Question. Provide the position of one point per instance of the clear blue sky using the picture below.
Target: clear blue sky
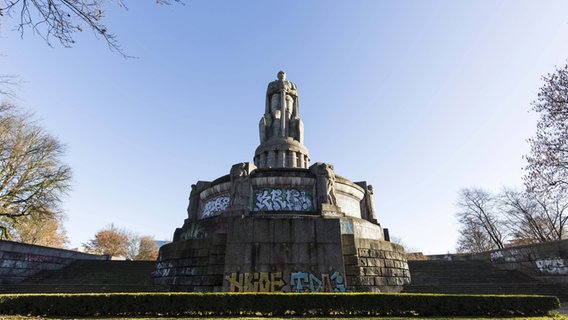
(418, 98)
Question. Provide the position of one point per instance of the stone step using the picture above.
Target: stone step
(76, 288)
(556, 290)
(91, 276)
(475, 277)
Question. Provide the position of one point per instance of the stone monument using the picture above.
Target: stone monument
(281, 225)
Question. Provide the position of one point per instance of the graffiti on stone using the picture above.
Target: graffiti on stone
(163, 269)
(496, 256)
(215, 206)
(308, 282)
(194, 231)
(552, 266)
(40, 258)
(274, 282)
(283, 199)
(508, 255)
(167, 269)
(255, 282)
(346, 227)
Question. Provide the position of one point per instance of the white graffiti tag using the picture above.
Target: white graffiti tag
(215, 206)
(283, 200)
(552, 266)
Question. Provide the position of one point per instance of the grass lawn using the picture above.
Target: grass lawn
(552, 317)
(558, 314)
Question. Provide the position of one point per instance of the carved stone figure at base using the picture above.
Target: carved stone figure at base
(241, 188)
(370, 202)
(325, 180)
(193, 207)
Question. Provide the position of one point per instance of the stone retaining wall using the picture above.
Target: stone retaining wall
(19, 261)
(546, 262)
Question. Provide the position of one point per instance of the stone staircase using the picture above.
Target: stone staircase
(91, 276)
(476, 277)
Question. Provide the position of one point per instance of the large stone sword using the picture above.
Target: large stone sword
(283, 110)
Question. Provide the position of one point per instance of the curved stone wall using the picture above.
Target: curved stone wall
(282, 153)
(214, 200)
(349, 196)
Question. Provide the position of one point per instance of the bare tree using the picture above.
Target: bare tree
(482, 228)
(7, 85)
(548, 158)
(473, 238)
(533, 218)
(60, 19)
(489, 222)
(33, 178)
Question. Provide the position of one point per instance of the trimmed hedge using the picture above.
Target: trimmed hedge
(275, 304)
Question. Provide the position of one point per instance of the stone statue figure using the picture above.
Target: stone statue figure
(325, 180)
(193, 203)
(367, 203)
(241, 188)
(193, 207)
(282, 112)
(370, 202)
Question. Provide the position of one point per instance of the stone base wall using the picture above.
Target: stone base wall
(279, 252)
(19, 261)
(374, 265)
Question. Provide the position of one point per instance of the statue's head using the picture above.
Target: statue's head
(281, 75)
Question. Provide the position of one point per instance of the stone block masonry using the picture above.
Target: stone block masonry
(374, 265)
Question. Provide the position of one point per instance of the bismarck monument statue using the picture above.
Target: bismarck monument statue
(281, 225)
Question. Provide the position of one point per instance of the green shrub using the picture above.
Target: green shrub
(245, 304)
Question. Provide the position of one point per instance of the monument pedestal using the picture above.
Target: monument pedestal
(281, 225)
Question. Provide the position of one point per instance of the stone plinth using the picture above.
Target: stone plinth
(282, 153)
(281, 253)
